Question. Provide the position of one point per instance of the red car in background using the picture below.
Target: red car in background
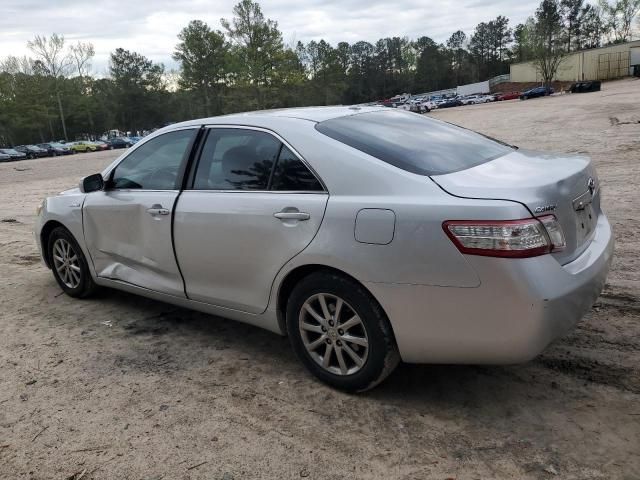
(508, 96)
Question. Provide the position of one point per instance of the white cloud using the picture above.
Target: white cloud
(150, 26)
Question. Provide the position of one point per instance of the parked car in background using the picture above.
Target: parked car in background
(100, 145)
(422, 105)
(119, 142)
(32, 151)
(507, 96)
(54, 149)
(476, 252)
(588, 86)
(536, 92)
(473, 99)
(13, 153)
(451, 102)
(4, 157)
(397, 100)
(83, 146)
(134, 139)
(400, 98)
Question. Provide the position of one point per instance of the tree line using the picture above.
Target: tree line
(246, 65)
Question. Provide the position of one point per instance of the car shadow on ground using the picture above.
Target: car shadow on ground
(187, 336)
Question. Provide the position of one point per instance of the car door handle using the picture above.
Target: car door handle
(292, 216)
(157, 210)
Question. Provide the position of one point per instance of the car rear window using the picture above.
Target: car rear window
(413, 142)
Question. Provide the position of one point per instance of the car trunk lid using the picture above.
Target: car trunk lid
(563, 185)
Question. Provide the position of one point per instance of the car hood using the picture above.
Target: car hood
(71, 191)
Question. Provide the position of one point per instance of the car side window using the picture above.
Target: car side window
(291, 174)
(236, 159)
(154, 165)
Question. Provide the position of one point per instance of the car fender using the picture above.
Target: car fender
(65, 209)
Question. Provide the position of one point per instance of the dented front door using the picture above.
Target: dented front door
(128, 234)
(127, 227)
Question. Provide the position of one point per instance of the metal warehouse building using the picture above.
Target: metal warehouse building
(603, 63)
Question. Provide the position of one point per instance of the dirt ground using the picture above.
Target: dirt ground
(119, 387)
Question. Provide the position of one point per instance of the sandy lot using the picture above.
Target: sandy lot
(120, 387)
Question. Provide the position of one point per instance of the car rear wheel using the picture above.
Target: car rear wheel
(340, 333)
(69, 265)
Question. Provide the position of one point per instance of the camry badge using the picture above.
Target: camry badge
(545, 208)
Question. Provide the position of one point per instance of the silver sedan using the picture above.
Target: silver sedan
(367, 235)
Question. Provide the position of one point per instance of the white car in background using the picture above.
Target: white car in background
(417, 105)
(426, 105)
(474, 99)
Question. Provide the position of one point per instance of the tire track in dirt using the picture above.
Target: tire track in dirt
(601, 350)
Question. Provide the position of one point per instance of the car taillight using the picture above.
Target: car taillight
(528, 237)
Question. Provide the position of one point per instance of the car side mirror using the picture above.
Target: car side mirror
(92, 183)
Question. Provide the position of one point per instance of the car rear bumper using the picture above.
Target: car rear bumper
(520, 306)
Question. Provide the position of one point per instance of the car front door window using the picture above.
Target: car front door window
(155, 165)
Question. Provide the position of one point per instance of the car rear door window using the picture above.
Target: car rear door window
(291, 174)
(155, 165)
(413, 142)
(236, 159)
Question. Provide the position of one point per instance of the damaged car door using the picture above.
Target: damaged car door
(128, 225)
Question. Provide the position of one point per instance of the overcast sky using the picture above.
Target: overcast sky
(150, 26)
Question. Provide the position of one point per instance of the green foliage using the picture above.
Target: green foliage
(138, 89)
(617, 18)
(257, 52)
(547, 39)
(204, 56)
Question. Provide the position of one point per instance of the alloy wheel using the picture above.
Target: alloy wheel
(67, 263)
(333, 334)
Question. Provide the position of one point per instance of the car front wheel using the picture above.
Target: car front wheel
(340, 332)
(69, 265)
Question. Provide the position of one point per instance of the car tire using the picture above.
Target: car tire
(69, 265)
(360, 355)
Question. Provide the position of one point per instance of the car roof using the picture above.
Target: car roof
(312, 114)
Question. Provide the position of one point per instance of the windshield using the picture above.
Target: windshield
(413, 142)
(9, 151)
